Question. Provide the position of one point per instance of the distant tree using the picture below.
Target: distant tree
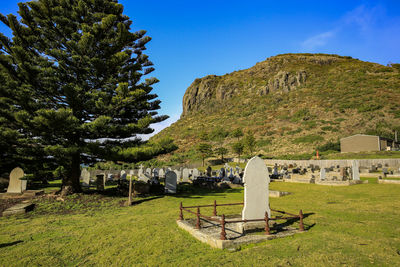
(238, 148)
(77, 74)
(218, 134)
(237, 133)
(204, 150)
(221, 151)
(249, 142)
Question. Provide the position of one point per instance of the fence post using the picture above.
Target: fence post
(215, 208)
(266, 218)
(223, 233)
(181, 212)
(301, 221)
(198, 218)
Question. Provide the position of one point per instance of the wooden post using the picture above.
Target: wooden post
(223, 233)
(180, 212)
(198, 218)
(266, 218)
(301, 221)
(130, 192)
(215, 208)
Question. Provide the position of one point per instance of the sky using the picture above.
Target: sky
(192, 38)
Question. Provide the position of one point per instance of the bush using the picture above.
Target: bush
(330, 146)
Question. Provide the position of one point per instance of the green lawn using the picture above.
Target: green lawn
(351, 226)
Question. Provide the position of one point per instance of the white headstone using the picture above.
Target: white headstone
(170, 182)
(185, 175)
(161, 173)
(123, 175)
(195, 173)
(16, 185)
(85, 175)
(356, 170)
(178, 176)
(322, 174)
(256, 190)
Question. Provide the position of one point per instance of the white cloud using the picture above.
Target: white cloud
(317, 40)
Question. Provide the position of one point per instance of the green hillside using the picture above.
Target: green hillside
(291, 103)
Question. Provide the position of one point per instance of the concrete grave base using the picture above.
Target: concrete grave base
(383, 181)
(273, 193)
(300, 180)
(20, 208)
(340, 183)
(210, 233)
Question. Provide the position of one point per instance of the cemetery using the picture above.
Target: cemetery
(294, 161)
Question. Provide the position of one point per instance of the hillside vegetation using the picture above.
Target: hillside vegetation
(291, 103)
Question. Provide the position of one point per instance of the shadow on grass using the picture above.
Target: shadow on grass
(190, 191)
(3, 245)
(140, 201)
(294, 220)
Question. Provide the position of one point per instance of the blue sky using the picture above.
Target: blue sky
(192, 39)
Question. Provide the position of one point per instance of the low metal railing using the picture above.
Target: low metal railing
(223, 221)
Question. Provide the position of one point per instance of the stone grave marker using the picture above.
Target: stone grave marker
(161, 173)
(148, 172)
(185, 175)
(256, 190)
(178, 176)
(85, 175)
(170, 182)
(355, 170)
(195, 173)
(123, 175)
(100, 178)
(322, 174)
(16, 185)
(156, 172)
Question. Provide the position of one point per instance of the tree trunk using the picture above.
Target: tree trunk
(71, 183)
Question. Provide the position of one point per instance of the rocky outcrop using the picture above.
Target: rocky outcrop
(284, 82)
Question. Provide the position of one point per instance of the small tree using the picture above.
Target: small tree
(250, 142)
(221, 151)
(237, 133)
(204, 150)
(238, 148)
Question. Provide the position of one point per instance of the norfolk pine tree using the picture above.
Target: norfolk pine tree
(80, 77)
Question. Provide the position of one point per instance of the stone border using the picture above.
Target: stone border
(207, 238)
(388, 181)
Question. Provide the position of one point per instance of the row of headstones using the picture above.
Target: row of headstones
(354, 171)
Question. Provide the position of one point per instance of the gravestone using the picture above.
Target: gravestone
(195, 173)
(170, 182)
(85, 175)
(156, 172)
(185, 175)
(123, 175)
(256, 190)
(161, 173)
(148, 172)
(322, 174)
(355, 170)
(140, 172)
(100, 178)
(178, 176)
(16, 185)
(209, 171)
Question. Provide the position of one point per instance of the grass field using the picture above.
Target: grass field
(350, 226)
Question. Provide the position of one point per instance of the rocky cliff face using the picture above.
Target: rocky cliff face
(292, 103)
(264, 78)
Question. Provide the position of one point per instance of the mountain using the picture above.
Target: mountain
(291, 103)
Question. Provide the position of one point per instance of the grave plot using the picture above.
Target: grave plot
(257, 222)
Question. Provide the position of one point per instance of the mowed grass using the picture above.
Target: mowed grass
(351, 226)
